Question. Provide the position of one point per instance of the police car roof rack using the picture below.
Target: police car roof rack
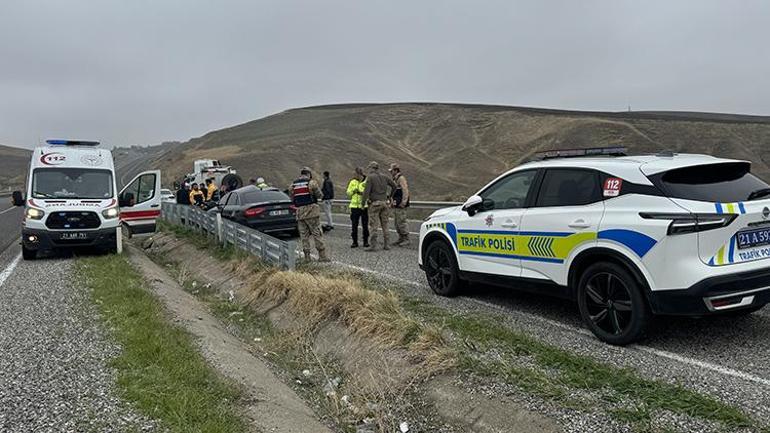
(58, 142)
(577, 153)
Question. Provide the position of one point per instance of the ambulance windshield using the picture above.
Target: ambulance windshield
(71, 183)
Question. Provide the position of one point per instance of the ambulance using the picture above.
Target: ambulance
(71, 200)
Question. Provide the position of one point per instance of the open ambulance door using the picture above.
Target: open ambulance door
(140, 202)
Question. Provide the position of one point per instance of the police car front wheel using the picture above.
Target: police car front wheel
(612, 304)
(441, 269)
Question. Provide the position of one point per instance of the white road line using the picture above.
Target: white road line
(8, 210)
(9, 270)
(390, 230)
(586, 333)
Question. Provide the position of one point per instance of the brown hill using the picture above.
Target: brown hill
(14, 163)
(448, 150)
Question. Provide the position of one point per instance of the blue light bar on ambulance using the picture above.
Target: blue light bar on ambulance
(72, 143)
(591, 151)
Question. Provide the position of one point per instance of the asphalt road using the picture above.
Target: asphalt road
(725, 357)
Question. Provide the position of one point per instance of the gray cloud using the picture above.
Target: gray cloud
(140, 72)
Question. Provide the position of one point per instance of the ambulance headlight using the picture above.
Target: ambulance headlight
(110, 213)
(34, 213)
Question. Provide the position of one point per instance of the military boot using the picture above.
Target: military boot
(323, 256)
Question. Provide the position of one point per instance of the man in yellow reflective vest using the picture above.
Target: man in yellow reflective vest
(358, 209)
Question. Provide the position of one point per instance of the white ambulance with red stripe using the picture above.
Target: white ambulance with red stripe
(72, 201)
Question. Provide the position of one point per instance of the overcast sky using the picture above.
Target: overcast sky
(146, 71)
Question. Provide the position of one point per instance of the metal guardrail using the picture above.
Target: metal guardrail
(431, 205)
(269, 249)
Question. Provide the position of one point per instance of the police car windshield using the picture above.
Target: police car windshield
(71, 183)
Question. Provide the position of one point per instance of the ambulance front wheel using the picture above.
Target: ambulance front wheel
(28, 254)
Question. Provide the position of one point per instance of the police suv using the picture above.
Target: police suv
(627, 237)
(71, 199)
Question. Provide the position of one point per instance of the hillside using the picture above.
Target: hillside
(449, 150)
(14, 163)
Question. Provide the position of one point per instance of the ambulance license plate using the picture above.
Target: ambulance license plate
(68, 236)
(753, 238)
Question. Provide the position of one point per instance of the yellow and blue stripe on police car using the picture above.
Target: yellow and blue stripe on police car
(728, 208)
(549, 247)
(726, 254)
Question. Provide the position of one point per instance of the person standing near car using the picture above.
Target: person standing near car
(400, 204)
(183, 194)
(196, 195)
(305, 193)
(377, 193)
(358, 209)
(327, 188)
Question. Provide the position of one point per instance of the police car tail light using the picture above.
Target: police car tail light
(682, 223)
(110, 213)
(34, 213)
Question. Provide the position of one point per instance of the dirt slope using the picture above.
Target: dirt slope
(14, 163)
(449, 150)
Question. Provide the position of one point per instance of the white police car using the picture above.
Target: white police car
(628, 237)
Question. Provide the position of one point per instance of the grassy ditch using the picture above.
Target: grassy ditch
(465, 345)
(159, 368)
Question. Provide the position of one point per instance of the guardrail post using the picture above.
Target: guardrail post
(220, 232)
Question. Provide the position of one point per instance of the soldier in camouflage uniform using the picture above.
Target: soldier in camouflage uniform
(400, 202)
(305, 195)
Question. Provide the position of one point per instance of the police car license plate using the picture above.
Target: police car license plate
(279, 212)
(753, 238)
(73, 235)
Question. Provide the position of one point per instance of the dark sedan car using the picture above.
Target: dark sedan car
(267, 210)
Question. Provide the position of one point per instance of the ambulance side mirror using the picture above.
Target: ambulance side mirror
(473, 204)
(17, 199)
(126, 199)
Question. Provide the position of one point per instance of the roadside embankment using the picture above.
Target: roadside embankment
(368, 357)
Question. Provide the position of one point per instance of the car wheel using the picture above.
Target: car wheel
(441, 269)
(612, 304)
(28, 254)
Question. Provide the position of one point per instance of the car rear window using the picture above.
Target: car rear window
(263, 196)
(723, 183)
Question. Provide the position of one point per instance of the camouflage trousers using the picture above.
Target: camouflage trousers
(402, 228)
(311, 228)
(378, 218)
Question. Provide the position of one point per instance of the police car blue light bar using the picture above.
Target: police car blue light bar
(591, 151)
(59, 142)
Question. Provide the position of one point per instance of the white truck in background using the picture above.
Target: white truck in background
(204, 169)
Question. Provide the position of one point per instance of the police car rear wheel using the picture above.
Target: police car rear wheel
(612, 304)
(441, 269)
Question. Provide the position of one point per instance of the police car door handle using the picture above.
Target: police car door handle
(579, 224)
(509, 224)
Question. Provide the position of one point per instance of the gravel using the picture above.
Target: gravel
(54, 355)
(735, 343)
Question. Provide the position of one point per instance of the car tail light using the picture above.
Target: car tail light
(293, 208)
(682, 223)
(254, 211)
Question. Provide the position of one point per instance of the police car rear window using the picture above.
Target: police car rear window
(568, 187)
(726, 182)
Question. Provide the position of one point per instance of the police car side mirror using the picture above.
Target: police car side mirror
(473, 204)
(17, 199)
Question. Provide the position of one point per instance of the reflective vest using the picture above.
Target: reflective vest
(301, 195)
(355, 193)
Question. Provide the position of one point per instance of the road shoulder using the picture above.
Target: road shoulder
(273, 406)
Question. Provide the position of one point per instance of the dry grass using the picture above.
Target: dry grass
(376, 316)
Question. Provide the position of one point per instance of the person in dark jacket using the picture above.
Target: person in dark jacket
(328, 195)
(183, 194)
